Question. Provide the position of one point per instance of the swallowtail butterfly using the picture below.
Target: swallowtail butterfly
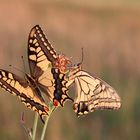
(48, 66)
(92, 93)
(42, 58)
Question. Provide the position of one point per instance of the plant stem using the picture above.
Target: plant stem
(44, 128)
(35, 126)
(46, 123)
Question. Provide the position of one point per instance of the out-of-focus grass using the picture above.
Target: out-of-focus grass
(110, 35)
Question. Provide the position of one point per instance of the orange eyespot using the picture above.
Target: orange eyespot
(75, 106)
(46, 109)
(55, 103)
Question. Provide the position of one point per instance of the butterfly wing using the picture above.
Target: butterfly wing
(56, 86)
(51, 79)
(19, 87)
(60, 89)
(40, 52)
(93, 94)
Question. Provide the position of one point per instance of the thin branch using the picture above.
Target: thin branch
(52, 108)
(35, 126)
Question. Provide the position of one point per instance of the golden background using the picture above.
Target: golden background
(109, 32)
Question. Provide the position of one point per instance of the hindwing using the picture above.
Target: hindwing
(93, 94)
(60, 90)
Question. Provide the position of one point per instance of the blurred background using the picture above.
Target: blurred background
(109, 32)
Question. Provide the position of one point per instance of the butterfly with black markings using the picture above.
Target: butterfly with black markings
(41, 56)
(92, 93)
(49, 66)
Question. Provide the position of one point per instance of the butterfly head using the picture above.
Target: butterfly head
(75, 68)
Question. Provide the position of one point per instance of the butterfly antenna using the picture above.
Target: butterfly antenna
(24, 72)
(82, 57)
(16, 69)
(23, 63)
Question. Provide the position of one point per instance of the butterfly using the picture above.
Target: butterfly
(92, 92)
(29, 89)
(48, 66)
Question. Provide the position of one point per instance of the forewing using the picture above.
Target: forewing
(19, 87)
(40, 52)
(93, 94)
